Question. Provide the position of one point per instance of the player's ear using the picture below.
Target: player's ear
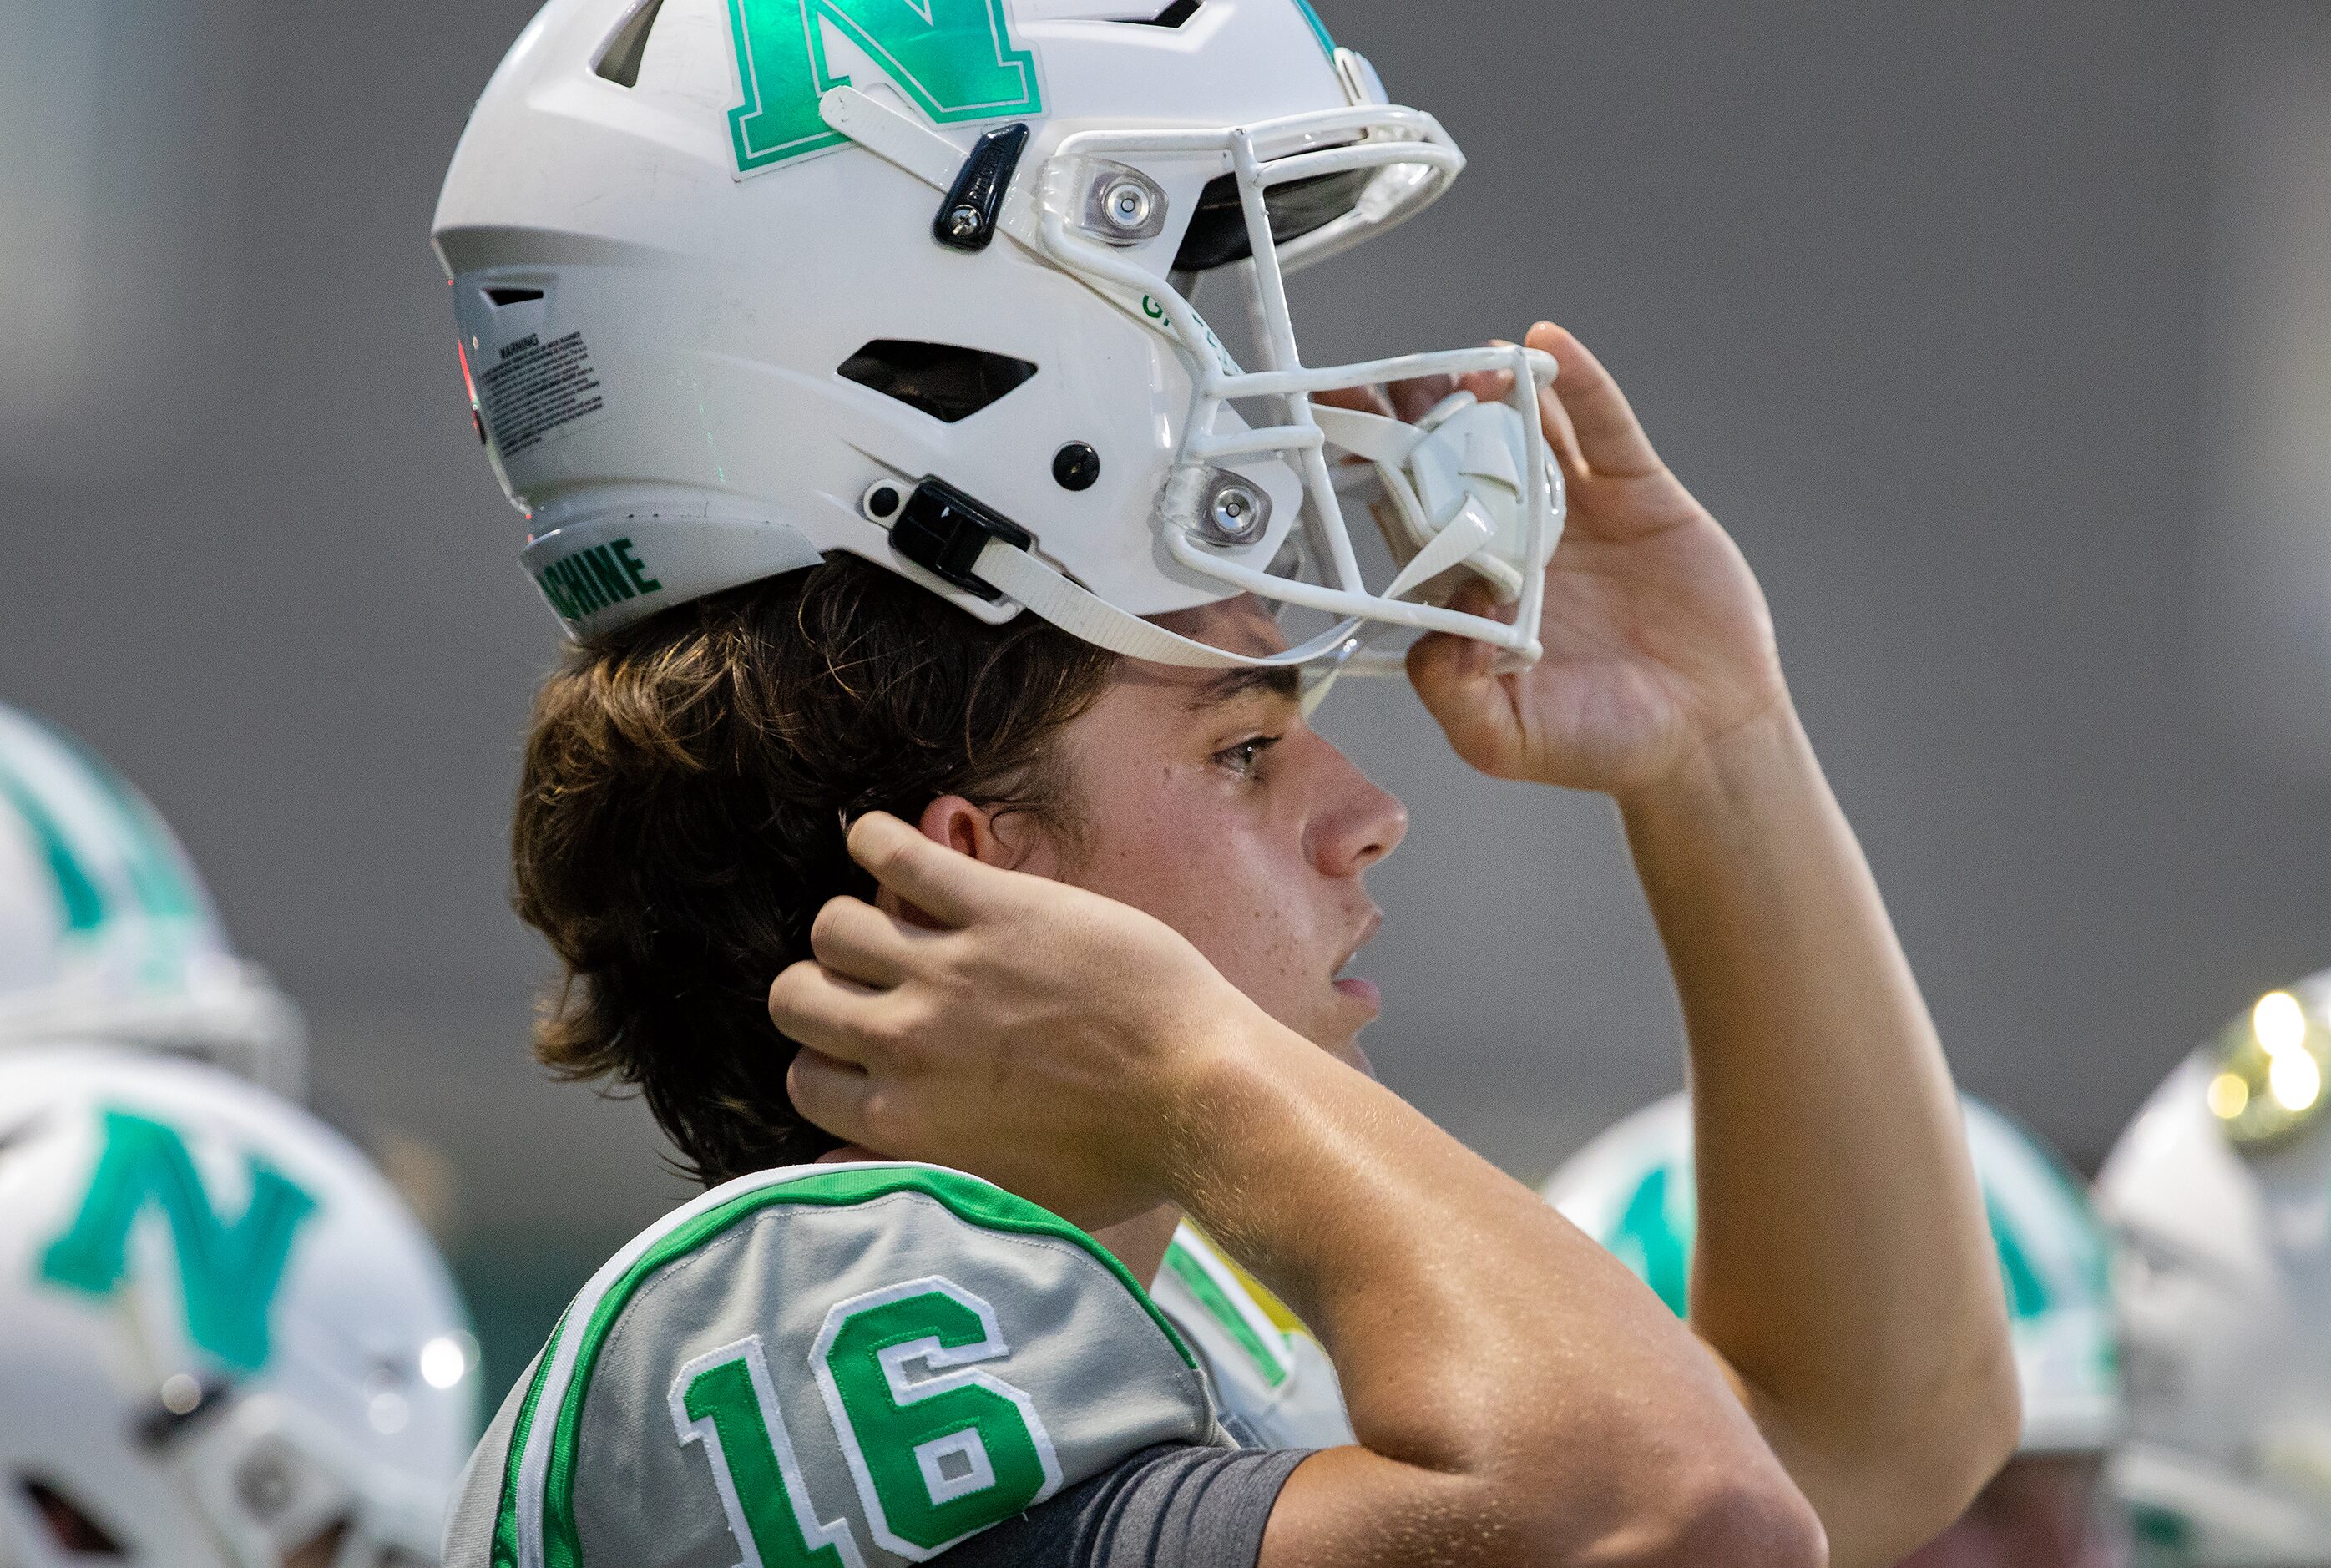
(967, 830)
(962, 827)
(1013, 842)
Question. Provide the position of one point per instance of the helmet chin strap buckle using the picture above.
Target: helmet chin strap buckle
(947, 534)
(943, 531)
(966, 218)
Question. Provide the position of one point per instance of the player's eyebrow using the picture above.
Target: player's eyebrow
(1279, 680)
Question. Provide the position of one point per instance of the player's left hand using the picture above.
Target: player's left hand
(1658, 641)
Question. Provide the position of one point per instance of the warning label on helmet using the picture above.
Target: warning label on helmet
(536, 390)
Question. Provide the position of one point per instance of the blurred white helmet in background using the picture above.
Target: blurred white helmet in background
(2221, 1190)
(1631, 1189)
(740, 282)
(222, 1338)
(105, 932)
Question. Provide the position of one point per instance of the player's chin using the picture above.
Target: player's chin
(1333, 1017)
(1352, 1005)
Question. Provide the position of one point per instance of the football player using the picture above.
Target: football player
(2218, 1189)
(224, 1342)
(1631, 1189)
(919, 538)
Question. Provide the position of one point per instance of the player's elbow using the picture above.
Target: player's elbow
(1743, 1520)
(1741, 1510)
(1912, 1472)
(1947, 1451)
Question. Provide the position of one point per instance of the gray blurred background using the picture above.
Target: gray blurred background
(1999, 333)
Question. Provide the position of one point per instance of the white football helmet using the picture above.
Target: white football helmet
(2221, 1190)
(1631, 1189)
(222, 1337)
(740, 282)
(105, 932)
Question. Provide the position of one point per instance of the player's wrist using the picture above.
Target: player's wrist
(1230, 1092)
(1728, 777)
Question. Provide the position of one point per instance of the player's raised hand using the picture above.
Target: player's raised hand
(1657, 638)
(1026, 1030)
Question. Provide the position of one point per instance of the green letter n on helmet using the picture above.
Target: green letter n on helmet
(106, 934)
(1631, 1189)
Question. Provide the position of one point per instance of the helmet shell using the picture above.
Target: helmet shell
(693, 316)
(2225, 1289)
(106, 930)
(223, 1328)
(1631, 1189)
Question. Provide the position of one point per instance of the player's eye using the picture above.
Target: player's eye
(1242, 758)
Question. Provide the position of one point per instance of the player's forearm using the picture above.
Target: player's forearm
(1479, 1337)
(1843, 1268)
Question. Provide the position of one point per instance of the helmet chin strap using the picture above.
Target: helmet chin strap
(914, 146)
(1084, 614)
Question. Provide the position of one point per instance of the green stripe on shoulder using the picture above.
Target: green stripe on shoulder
(968, 1198)
(504, 1552)
(1219, 1307)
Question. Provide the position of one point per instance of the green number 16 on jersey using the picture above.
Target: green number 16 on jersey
(935, 1457)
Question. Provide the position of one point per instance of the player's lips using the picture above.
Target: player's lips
(1362, 991)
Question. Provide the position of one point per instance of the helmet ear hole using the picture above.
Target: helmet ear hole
(69, 1525)
(322, 1549)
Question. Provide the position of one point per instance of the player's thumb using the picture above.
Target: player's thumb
(1454, 678)
(1451, 673)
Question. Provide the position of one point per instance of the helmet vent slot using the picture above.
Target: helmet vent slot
(505, 296)
(1174, 15)
(947, 381)
(619, 63)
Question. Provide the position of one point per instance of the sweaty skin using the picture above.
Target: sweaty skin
(1518, 1397)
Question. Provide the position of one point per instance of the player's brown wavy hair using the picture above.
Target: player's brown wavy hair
(680, 816)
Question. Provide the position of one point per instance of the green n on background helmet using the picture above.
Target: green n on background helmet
(1631, 1189)
(106, 931)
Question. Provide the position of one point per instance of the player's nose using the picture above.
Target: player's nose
(1359, 822)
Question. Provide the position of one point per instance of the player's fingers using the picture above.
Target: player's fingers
(1554, 420)
(851, 938)
(1414, 398)
(1488, 386)
(1359, 399)
(1607, 435)
(828, 1012)
(832, 1094)
(942, 883)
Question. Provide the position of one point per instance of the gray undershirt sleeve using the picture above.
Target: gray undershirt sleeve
(1169, 1507)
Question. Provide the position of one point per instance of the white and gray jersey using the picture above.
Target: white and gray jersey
(857, 1366)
